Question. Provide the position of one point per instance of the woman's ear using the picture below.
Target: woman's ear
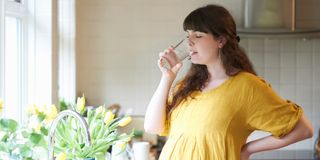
(222, 41)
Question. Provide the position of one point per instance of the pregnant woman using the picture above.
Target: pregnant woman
(209, 114)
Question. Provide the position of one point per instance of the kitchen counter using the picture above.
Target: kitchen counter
(285, 154)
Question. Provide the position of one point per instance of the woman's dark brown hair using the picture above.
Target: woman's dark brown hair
(215, 20)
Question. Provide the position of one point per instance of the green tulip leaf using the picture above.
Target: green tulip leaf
(3, 147)
(8, 125)
(25, 134)
(82, 145)
(26, 151)
(63, 105)
(41, 116)
(44, 131)
(4, 136)
(35, 138)
(99, 156)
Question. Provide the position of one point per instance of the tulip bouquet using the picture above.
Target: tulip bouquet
(26, 141)
(102, 125)
(30, 141)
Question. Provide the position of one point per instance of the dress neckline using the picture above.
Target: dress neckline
(224, 83)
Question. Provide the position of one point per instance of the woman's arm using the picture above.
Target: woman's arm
(154, 121)
(301, 131)
(155, 116)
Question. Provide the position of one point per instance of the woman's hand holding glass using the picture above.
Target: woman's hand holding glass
(170, 60)
(169, 63)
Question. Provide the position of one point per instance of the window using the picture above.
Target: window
(12, 57)
(26, 56)
(12, 66)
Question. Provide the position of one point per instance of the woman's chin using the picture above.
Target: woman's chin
(195, 62)
(195, 59)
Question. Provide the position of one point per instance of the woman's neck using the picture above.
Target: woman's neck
(217, 71)
(217, 75)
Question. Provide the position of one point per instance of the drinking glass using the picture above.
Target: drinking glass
(182, 52)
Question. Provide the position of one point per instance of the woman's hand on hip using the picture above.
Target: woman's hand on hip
(245, 154)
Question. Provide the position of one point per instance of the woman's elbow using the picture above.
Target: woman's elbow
(308, 132)
(307, 128)
(148, 129)
(151, 129)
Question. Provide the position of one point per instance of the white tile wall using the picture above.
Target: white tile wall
(117, 46)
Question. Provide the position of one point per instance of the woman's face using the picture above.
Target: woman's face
(203, 47)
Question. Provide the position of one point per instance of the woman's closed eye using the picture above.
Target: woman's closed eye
(194, 36)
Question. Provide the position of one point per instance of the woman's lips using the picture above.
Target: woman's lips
(193, 53)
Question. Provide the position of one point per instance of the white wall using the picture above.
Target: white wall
(117, 47)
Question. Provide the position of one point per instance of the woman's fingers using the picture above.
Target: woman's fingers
(161, 63)
(168, 62)
(166, 52)
(175, 69)
(170, 57)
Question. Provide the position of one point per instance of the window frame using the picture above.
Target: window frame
(41, 47)
(1, 48)
(16, 10)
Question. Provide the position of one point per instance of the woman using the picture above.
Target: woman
(220, 101)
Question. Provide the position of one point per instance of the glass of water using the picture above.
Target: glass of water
(182, 52)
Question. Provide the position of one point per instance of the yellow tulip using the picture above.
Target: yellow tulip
(100, 110)
(126, 139)
(124, 121)
(41, 109)
(51, 113)
(121, 145)
(61, 156)
(108, 117)
(37, 128)
(1, 105)
(33, 109)
(34, 123)
(81, 103)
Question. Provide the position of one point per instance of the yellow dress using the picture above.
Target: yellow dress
(215, 124)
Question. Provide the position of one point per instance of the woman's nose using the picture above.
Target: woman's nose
(190, 42)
